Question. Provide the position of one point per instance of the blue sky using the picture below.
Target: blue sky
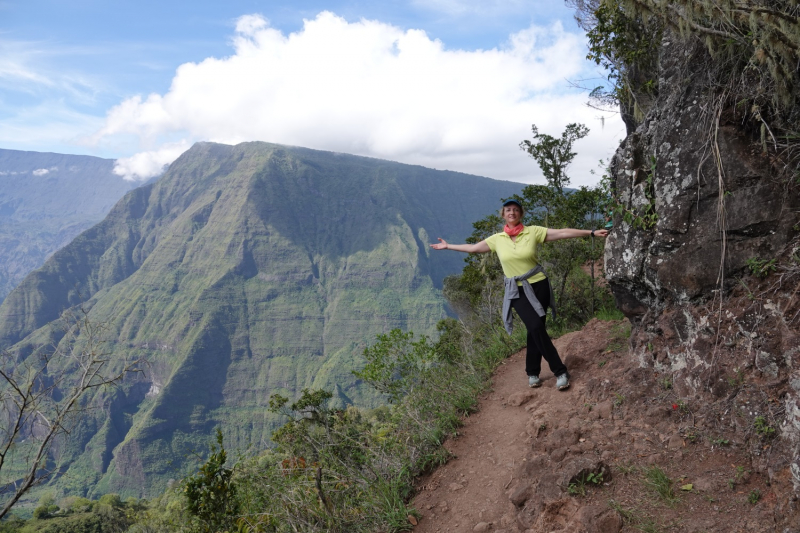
(447, 83)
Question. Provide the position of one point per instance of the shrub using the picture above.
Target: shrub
(210, 494)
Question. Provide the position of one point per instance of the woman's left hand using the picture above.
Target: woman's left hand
(601, 233)
(441, 245)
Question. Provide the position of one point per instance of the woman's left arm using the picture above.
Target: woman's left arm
(570, 233)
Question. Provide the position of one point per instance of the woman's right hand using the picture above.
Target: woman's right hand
(441, 245)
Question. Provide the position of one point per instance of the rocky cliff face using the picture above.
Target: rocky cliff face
(727, 339)
(244, 271)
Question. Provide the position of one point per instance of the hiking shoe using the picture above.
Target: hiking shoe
(534, 381)
(562, 382)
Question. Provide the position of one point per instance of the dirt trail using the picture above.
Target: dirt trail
(471, 488)
(580, 461)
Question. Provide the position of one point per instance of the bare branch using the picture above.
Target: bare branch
(29, 402)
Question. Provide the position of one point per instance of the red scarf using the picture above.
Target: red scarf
(516, 230)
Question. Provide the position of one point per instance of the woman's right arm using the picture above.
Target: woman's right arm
(478, 248)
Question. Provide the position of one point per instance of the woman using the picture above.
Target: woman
(516, 247)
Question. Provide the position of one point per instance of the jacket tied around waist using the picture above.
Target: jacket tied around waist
(512, 291)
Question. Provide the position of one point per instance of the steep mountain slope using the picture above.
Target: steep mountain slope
(244, 271)
(45, 201)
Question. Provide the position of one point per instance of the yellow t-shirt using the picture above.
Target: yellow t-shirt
(518, 257)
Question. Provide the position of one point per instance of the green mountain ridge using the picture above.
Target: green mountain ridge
(46, 200)
(244, 271)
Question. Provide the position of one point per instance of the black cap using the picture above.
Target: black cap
(512, 201)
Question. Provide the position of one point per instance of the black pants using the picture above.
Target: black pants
(539, 343)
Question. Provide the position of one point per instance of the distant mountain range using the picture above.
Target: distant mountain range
(244, 271)
(46, 200)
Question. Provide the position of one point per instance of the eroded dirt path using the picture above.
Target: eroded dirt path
(521, 462)
(471, 488)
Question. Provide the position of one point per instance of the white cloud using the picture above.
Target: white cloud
(250, 24)
(148, 164)
(40, 172)
(372, 89)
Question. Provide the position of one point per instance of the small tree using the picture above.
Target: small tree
(396, 363)
(552, 206)
(41, 394)
(211, 493)
(554, 155)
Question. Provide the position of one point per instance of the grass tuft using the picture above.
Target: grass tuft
(660, 484)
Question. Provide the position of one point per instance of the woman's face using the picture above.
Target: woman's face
(512, 214)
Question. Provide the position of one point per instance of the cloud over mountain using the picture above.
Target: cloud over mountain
(369, 88)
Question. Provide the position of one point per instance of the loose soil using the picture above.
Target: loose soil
(591, 459)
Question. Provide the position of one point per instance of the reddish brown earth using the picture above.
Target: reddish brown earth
(528, 460)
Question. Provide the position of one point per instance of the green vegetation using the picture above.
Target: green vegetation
(619, 399)
(554, 155)
(683, 407)
(109, 514)
(396, 364)
(738, 476)
(719, 441)
(211, 494)
(740, 473)
(609, 313)
(621, 42)
(627, 468)
(347, 469)
(737, 380)
(763, 427)
(660, 484)
(619, 334)
(761, 268)
(754, 497)
(578, 487)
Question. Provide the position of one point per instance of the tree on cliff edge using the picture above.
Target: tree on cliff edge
(551, 206)
(42, 396)
(479, 287)
(554, 155)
